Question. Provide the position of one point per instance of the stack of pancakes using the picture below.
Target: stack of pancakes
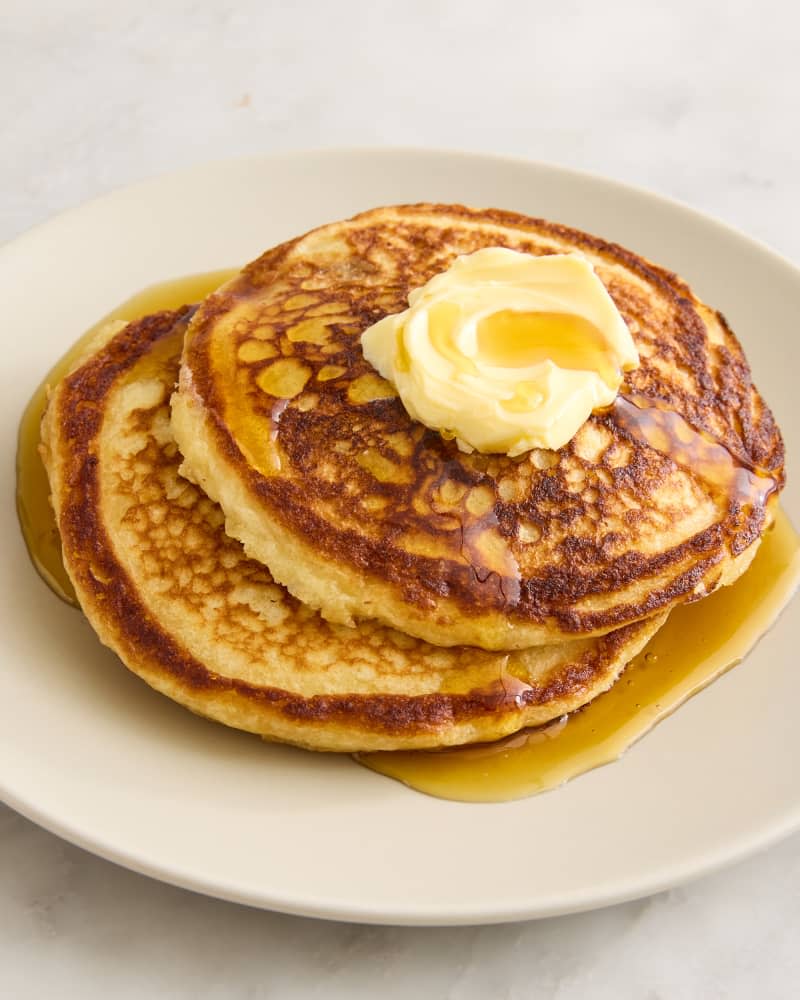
(277, 545)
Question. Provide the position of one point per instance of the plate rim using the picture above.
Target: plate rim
(412, 915)
(580, 173)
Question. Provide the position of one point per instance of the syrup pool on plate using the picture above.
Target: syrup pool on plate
(699, 642)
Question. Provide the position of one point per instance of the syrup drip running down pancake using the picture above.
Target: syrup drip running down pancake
(365, 514)
(178, 600)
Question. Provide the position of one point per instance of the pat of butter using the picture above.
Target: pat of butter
(505, 351)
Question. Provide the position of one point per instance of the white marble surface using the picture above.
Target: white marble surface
(686, 100)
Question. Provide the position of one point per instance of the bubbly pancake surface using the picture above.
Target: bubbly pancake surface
(166, 588)
(363, 513)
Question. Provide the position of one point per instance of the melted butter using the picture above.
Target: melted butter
(505, 351)
(36, 517)
(444, 319)
(698, 643)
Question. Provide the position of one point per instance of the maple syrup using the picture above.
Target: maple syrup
(699, 642)
(512, 339)
(36, 517)
(666, 431)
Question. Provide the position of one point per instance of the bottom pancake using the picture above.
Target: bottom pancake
(176, 598)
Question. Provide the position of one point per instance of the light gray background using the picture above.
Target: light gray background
(684, 99)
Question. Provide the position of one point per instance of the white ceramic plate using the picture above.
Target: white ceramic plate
(88, 751)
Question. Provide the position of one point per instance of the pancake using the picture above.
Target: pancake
(176, 598)
(364, 514)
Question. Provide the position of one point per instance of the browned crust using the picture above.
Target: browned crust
(748, 432)
(113, 604)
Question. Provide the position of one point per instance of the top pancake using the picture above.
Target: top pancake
(363, 513)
